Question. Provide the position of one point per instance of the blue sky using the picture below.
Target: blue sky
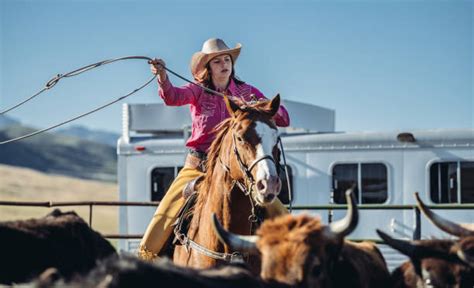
(381, 65)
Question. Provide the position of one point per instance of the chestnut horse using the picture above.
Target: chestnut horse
(240, 174)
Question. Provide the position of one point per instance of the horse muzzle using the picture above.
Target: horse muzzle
(267, 189)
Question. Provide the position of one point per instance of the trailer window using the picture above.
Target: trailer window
(370, 178)
(161, 179)
(284, 193)
(344, 176)
(374, 183)
(452, 182)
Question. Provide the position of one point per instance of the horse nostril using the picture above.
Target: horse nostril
(269, 197)
(261, 185)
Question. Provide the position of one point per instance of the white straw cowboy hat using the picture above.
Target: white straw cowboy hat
(210, 49)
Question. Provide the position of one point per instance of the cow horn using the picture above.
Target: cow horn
(238, 242)
(443, 224)
(347, 224)
(404, 246)
(417, 251)
(466, 257)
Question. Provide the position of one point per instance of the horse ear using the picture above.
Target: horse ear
(231, 106)
(274, 105)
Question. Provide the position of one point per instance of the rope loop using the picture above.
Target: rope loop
(53, 81)
(50, 84)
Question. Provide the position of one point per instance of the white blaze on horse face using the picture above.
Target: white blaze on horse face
(268, 140)
(267, 178)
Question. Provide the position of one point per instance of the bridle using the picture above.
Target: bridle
(247, 170)
(248, 185)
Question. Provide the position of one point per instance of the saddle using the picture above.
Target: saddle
(191, 186)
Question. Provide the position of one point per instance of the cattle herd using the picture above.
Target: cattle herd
(60, 250)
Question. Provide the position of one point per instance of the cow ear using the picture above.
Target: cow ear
(274, 105)
(231, 106)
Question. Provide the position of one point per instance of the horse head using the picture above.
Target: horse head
(253, 138)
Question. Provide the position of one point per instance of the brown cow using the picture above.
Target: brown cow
(300, 250)
(60, 240)
(435, 263)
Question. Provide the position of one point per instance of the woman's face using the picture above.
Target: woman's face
(221, 67)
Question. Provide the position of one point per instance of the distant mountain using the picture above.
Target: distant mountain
(6, 121)
(99, 136)
(58, 154)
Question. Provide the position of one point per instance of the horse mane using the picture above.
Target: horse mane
(204, 188)
(220, 132)
(214, 151)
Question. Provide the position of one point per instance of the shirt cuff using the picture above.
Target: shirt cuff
(165, 85)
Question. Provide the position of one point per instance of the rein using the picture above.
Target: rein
(234, 257)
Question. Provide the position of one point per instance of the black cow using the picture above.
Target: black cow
(129, 271)
(60, 240)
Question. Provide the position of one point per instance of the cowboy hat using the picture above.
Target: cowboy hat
(211, 48)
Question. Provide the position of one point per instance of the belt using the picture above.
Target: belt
(198, 154)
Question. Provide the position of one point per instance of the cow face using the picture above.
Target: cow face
(296, 250)
(440, 273)
(434, 263)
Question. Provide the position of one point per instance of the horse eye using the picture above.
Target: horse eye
(240, 139)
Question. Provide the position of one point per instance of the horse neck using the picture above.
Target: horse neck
(231, 206)
(228, 202)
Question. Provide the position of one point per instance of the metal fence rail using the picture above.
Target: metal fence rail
(91, 204)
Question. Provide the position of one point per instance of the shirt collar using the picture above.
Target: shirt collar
(232, 88)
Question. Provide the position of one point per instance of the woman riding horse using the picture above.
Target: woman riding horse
(212, 67)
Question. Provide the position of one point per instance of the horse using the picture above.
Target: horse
(241, 174)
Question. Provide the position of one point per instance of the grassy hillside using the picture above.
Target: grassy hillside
(58, 154)
(22, 184)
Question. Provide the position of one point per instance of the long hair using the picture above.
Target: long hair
(205, 78)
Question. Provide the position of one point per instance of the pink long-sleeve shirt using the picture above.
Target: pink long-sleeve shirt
(208, 110)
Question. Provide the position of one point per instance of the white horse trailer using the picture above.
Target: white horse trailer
(388, 167)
